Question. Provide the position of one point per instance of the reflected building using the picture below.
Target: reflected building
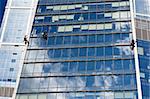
(17, 21)
(142, 27)
(78, 49)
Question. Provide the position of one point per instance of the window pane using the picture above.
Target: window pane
(90, 66)
(100, 38)
(82, 66)
(108, 51)
(83, 39)
(83, 51)
(74, 52)
(67, 40)
(91, 51)
(57, 53)
(100, 51)
(92, 39)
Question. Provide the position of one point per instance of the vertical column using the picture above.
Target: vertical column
(132, 2)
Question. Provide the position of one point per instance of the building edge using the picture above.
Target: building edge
(137, 68)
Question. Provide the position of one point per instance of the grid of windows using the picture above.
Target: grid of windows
(144, 54)
(78, 83)
(142, 29)
(13, 29)
(86, 50)
(79, 67)
(110, 38)
(113, 27)
(142, 32)
(82, 95)
(120, 15)
(8, 68)
(84, 6)
(79, 52)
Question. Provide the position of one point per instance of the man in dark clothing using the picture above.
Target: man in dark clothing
(26, 40)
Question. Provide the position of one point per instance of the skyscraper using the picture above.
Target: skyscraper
(77, 49)
(142, 29)
(17, 21)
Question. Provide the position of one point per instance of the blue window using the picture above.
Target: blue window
(118, 81)
(100, 6)
(43, 42)
(100, 38)
(73, 66)
(57, 53)
(83, 39)
(38, 20)
(47, 68)
(116, 38)
(90, 81)
(100, 81)
(92, 7)
(38, 29)
(43, 8)
(65, 52)
(65, 67)
(75, 39)
(127, 64)
(91, 51)
(51, 40)
(100, 16)
(145, 90)
(118, 65)
(107, 6)
(82, 66)
(92, 39)
(125, 27)
(45, 29)
(144, 63)
(100, 66)
(67, 39)
(117, 51)
(92, 16)
(74, 52)
(108, 51)
(53, 29)
(108, 65)
(90, 66)
(100, 51)
(125, 36)
(127, 81)
(77, 16)
(108, 38)
(59, 40)
(85, 16)
(82, 51)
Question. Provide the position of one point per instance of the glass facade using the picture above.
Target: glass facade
(75, 49)
(142, 21)
(15, 25)
(80, 49)
(144, 67)
(142, 7)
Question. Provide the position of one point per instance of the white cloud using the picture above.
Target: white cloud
(125, 50)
